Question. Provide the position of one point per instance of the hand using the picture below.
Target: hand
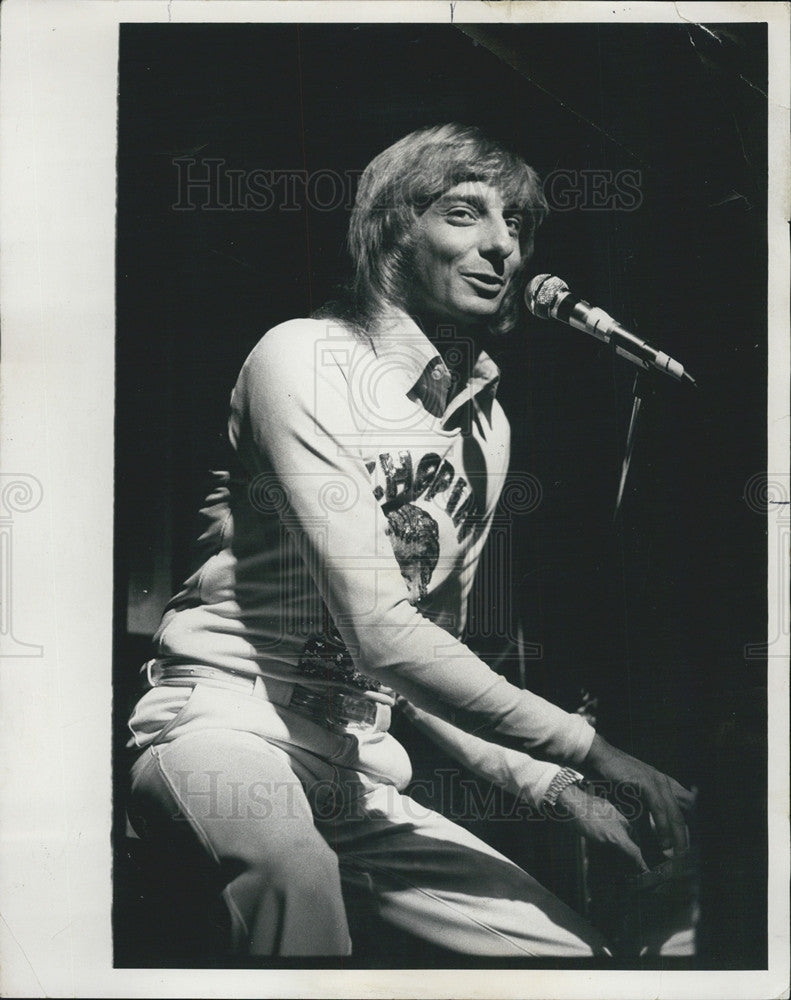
(597, 820)
(664, 797)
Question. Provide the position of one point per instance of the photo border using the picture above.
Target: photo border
(58, 122)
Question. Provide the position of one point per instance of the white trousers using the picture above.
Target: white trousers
(299, 842)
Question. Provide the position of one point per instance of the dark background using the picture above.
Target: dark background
(652, 614)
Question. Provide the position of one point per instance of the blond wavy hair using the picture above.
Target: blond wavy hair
(398, 185)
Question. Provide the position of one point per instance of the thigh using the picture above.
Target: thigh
(230, 801)
(234, 817)
(413, 868)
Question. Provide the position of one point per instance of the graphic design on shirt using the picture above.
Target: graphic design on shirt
(325, 657)
(415, 537)
(434, 480)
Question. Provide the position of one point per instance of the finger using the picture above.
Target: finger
(628, 846)
(643, 825)
(670, 826)
(621, 837)
(685, 798)
(680, 831)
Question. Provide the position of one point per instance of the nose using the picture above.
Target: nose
(497, 243)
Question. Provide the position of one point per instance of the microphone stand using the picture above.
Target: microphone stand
(637, 402)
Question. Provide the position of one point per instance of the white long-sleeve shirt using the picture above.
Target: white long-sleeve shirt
(345, 552)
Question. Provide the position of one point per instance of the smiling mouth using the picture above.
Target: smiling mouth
(488, 284)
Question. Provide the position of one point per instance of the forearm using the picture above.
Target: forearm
(463, 691)
(516, 772)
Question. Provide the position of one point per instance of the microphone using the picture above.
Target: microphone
(548, 297)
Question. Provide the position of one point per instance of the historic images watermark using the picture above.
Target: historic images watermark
(210, 795)
(210, 184)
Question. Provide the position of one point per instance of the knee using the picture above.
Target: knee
(288, 901)
(295, 861)
(304, 866)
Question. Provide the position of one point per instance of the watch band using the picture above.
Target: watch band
(566, 776)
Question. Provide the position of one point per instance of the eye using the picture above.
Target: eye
(514, 224)
(462, 214)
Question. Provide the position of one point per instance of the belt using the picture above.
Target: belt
(333, 708)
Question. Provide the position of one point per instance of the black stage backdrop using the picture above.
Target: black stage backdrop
(653, 142)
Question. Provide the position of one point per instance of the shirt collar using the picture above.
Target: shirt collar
(425, 375)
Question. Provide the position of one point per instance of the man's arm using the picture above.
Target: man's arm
(516, 772)
(532, 780)
(293, 419)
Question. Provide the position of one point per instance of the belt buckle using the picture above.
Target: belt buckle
(336, 710)
(352, 713)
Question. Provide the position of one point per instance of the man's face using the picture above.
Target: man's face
(466, 253)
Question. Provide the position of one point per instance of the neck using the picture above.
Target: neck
(457, 343)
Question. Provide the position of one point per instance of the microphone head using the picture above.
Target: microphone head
(542, 292)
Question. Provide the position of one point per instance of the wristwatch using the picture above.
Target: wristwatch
(566, 776)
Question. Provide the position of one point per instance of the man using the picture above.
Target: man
(331, 577)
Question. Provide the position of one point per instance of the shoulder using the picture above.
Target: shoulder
(292, 349)
(288, 344)
(300, 365)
